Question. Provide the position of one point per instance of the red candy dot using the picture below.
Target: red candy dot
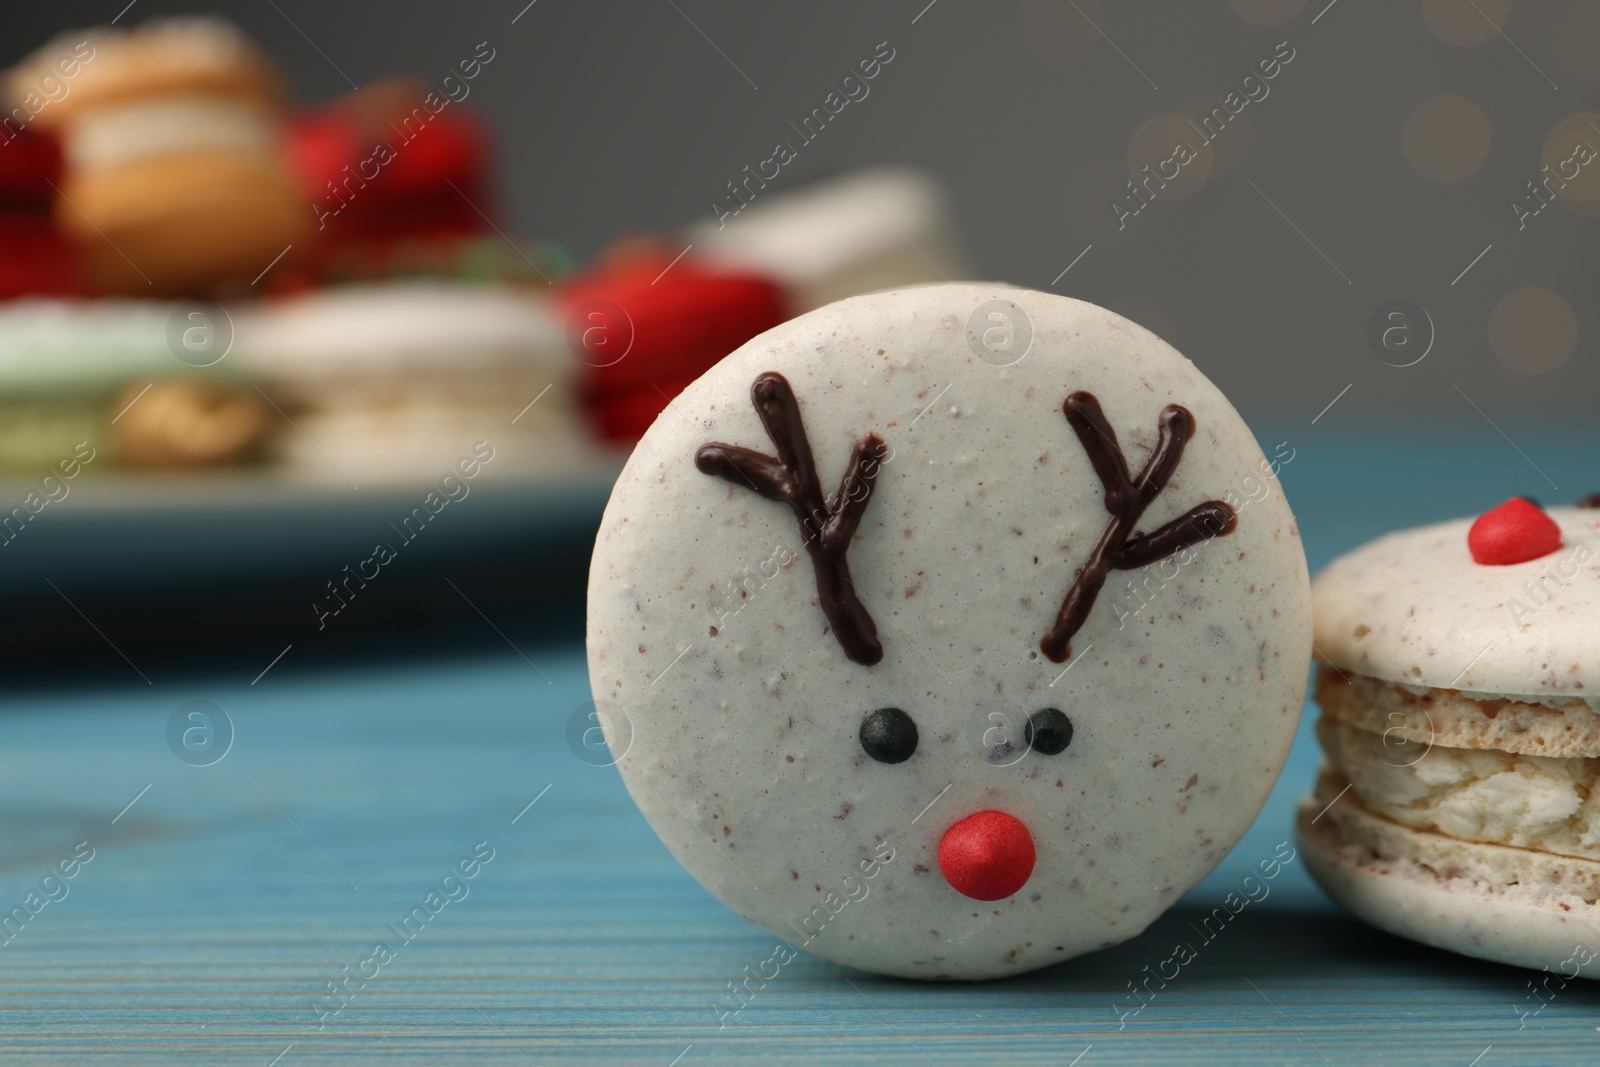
(987, 856)
(1514, 532)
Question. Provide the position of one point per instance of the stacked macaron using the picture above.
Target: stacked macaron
(881, 228)
(383, 383)
(644, 326)
(104, 372)
(35, 256)
(175, 181)
(159, 162)
(1460, 665)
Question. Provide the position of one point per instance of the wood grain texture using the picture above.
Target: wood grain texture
(207, 925)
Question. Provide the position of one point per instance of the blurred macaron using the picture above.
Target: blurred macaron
(35, 256)
(104, 373)
(872, 229)
(382, 164)
(174, 181)
(391, 383)
(641, 325)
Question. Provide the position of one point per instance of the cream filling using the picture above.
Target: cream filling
(1337, 820)
(151, 128)
(1503, 798)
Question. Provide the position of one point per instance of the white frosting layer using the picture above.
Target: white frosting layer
(1413, 607)
(1498, 798)
(151, 127)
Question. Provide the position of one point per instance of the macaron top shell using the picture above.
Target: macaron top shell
(826, 227)
(740, 713)
(1413, 607)
(194, 55)
(423, 329)
(50, 346)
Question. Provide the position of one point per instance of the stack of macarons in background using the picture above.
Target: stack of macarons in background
(389, 381)
(175, 179)
(99, 376)
(193, 273)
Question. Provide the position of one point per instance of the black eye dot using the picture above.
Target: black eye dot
(1048, 731)
(888, 735)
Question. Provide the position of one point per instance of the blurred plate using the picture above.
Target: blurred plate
(119, 533)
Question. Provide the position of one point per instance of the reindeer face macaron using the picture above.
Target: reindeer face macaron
(957, 631)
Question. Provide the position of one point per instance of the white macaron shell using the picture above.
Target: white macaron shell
(742, 710)
(1413, 607)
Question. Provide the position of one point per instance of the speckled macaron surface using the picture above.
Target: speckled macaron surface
(1458, 806)
(1414, 607)
(950, 632)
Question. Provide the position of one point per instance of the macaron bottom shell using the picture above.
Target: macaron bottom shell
(1492, 902)
(176, 225)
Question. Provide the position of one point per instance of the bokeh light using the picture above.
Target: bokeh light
(1061, 33)
(1573, 184)
(1466, 23)
(1533, 330)
(1446, 138)
(1230, 146)
(1175, 154)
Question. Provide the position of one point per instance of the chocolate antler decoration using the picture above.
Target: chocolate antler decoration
(1126, 498)
(826, 528)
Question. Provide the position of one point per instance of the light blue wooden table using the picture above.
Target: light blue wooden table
(221, 901)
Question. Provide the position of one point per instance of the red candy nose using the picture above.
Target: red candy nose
(1514, 532)
(987, 856)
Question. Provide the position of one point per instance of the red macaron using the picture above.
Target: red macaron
(382, 165)
(36, 258)
(644, 326)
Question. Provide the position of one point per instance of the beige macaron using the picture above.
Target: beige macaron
(1458, 806)
(175, 181)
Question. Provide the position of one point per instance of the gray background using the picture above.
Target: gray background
(631, 116)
